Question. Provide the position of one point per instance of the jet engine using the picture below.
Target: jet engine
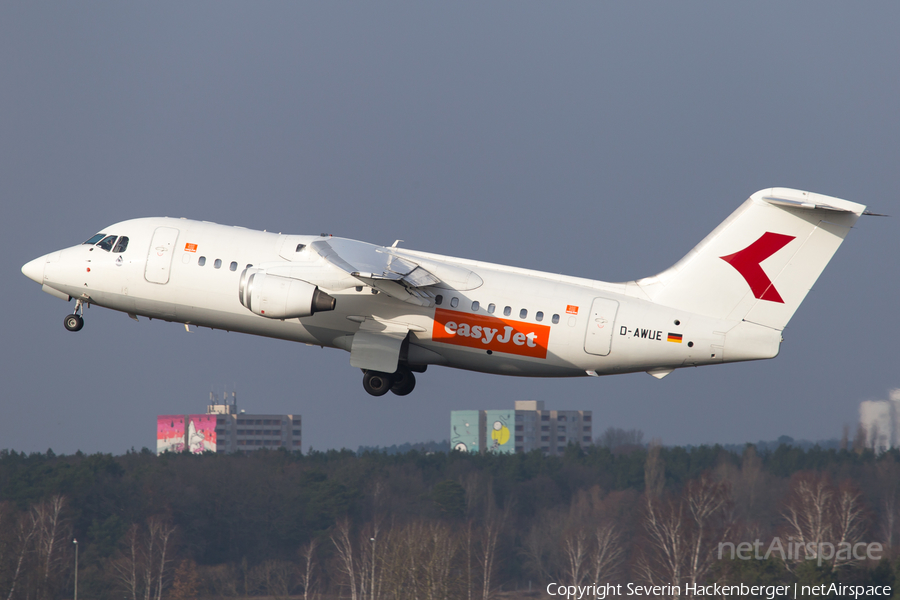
(278, 297)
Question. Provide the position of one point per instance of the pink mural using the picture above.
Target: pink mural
(169, 433)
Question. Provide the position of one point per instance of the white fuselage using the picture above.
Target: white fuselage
(525, 323)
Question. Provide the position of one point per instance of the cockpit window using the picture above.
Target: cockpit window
(94, 239)
(107, 243)
(121, 245)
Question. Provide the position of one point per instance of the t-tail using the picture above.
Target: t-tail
(759, 264)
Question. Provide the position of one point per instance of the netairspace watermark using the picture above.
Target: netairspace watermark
(791, 551)
(604, 591)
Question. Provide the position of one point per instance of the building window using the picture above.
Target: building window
(545, 438)
(560, 438)
(545, 428)
(519, 438)
(545, 448)
(562, 418)
(560, 427)
(587, 417)
(520, 428)
(545, 417)
(586, 439)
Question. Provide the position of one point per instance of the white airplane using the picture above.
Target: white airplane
(397, 311)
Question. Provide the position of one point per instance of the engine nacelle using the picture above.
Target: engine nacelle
(279, 297)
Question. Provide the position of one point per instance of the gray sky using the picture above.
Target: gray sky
(600, 140)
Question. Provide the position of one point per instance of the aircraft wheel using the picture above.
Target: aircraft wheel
(73, 322)
(404, 382)
(377, 383)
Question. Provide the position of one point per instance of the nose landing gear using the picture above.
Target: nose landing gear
(75, 321)
(402, 382)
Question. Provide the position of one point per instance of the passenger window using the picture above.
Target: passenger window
(523, 314)
(94, 239)
(475, 306)
(491, 308)
(555, 319)
(233, 266)
(218, 263)
(201, 261)
(454, 302)
(107, 243)
(249, 266)
(300, 247)
(507, 310)
(438, 299)
(121, 245)
(539, 316)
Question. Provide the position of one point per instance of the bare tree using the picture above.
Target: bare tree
(808, 509)
(26, 529)
(608, 554)
(307, 574)
(817, 512)
(681, 533)
(48, 514)
(706, 501)
(272, 578)
(141, 567)
(576, 550)
(346, 559)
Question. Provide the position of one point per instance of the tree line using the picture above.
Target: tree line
(446, 525)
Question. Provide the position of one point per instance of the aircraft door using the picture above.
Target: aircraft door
(159, 257)
(601, 321)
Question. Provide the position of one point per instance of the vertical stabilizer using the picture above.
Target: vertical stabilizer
(759, 264)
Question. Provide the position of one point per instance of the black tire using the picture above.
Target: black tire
(377, 383)
(404, 382)
(73, 322)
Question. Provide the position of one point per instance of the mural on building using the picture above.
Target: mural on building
(498, 424)
(464, 430)
(202, 433)
(169, 433)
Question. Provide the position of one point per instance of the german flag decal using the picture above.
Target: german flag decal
(674, 337)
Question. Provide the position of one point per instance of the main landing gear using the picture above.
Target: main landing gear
(75, 321)
(401, 382)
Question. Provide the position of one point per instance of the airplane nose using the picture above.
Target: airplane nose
(34, 270)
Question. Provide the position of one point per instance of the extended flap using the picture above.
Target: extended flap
(376, 346)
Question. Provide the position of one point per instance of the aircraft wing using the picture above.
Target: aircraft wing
(402, 277)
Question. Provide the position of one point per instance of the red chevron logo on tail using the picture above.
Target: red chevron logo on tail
(747, 263)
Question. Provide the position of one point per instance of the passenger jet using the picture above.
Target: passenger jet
(398, 311)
